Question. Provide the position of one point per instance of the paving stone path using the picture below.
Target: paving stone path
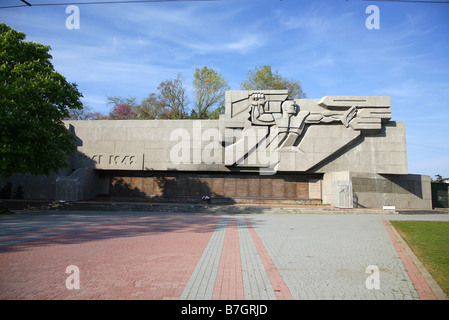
(150, 255)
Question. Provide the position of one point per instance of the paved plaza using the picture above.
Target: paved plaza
(198, 256)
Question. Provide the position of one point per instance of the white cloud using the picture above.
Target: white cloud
(315, 24)
(248, 42)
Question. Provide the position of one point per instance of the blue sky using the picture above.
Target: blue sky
(128, 49)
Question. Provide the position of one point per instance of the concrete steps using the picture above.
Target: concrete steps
(196, 207)
(181, 208)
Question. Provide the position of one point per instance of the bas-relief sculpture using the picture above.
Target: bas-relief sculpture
(260, 130)
(285, 126)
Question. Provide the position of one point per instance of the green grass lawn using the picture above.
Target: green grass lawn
(430, 242)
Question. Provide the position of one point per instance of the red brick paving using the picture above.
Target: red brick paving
(421, 285)
(229, 282)
(149, 257)
(37, 231)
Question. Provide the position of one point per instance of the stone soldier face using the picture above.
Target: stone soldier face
(290, 107)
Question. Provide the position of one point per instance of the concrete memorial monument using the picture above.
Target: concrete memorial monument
(338, 150)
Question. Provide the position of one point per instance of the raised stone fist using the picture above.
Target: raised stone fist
(257, 99)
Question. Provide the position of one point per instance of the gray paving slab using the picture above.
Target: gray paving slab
(327, 256)
(256, 283)
(201, 283)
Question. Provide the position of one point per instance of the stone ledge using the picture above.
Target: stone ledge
(37, 205)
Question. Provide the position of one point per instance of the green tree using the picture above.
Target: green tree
(150, 108)
(173, 98)
(34, 100)
(439, 178)
(265, 79)
(170, 103)
(209, 89)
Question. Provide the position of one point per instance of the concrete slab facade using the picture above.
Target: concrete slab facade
(266, 146)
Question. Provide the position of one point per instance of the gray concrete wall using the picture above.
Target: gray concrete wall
(402, 191)
(384, 153)
(43, 187)
(330, 179)
(33, 187)
(146, 145)
(370, 190)
(189, 145)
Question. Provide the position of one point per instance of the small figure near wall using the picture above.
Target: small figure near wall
(206, 199)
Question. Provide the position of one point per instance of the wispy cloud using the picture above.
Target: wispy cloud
(313, 23)
(247, 42)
